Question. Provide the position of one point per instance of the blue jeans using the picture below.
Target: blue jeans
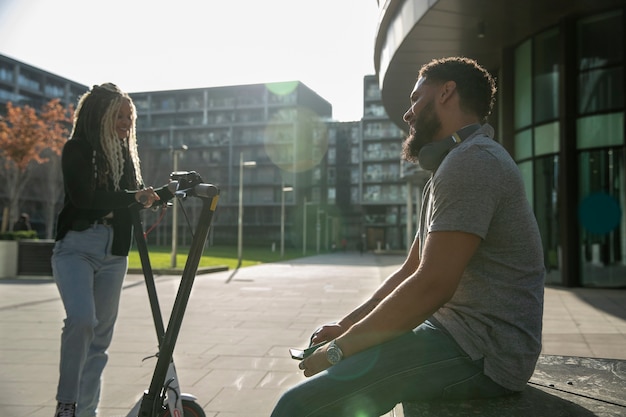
(424, 364)
(89, 280)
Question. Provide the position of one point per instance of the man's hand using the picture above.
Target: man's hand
(327, 333)
(315, 363)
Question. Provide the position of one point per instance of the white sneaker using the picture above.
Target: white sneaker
(65, 410)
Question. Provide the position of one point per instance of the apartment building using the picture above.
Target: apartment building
(268, 139)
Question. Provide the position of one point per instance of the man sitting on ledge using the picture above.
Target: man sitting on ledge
(461, 318)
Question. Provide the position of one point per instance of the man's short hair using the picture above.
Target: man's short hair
(476, 87)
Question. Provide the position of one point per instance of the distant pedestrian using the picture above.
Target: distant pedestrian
(23, 223)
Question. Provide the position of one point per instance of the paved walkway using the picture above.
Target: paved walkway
(232, 352)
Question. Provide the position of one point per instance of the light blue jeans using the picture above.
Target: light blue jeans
(89, 280)
(424, 364)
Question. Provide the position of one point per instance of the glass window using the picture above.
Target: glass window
(141, 103)
(600, 90)
(355, 156)
(372, 193)
(28, 81)
(600, 130)
(547, 139)
(372, 92)
(54, 90)
(6, 74)
(523, 92)
(332, 156)
(600, 212)
(354, 195)
(526, 169)
(331, 177)
(331, 195)
(600, 60)
(355, 175)
(376, 110)
(163, 103)
(373, 172)
(259, 194)
(546, 76)
(524, 144)
(546, 212)
(600, 41)
(191, 101)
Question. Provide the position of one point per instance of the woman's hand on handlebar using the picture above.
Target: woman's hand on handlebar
(146, 197)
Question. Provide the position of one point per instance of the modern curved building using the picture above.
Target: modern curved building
(560, 110)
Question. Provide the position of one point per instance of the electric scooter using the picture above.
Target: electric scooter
(164, 398)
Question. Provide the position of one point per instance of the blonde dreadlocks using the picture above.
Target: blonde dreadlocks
(94, 121)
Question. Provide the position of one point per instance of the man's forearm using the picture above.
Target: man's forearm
(399, 312)
(360, 312)
(386, 288)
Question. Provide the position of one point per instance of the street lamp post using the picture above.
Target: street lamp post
(250, 164)
(175, 155)
(329, 231)
(318, 228)
(282, 218)
(304, 225)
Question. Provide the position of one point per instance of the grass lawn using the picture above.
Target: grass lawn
(160, 256)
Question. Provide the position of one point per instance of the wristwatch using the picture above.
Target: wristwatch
(334, 353)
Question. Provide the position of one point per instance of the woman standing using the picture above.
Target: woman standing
(102, 179)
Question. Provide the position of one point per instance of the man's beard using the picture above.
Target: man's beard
(422, 132)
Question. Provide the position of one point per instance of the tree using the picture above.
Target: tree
(26, 139)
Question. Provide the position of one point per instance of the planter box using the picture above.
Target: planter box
(33, 257)
(8, 258)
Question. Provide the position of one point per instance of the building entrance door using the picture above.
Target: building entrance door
(375, 238)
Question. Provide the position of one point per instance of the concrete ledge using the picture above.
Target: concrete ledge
(562, 386)
(8, 258)
(394, 252)
(179, 272)
(167, 271)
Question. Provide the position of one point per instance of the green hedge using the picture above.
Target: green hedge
(19, 235)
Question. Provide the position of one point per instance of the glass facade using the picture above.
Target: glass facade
(596, 138)
(536, 112)
(600, 145)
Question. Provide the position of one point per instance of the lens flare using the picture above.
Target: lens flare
(282, 88)
(296, 139)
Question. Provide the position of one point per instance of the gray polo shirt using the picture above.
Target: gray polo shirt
(496, 312)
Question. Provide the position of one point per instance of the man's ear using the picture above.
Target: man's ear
(447, 90)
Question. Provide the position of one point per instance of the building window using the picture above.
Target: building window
(600, 141)
(6, 74)
(600, 62)
(546, 76)
(523, 85)
(537, 137)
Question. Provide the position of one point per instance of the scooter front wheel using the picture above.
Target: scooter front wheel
(190, 409)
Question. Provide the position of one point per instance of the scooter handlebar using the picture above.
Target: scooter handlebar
(201, 190)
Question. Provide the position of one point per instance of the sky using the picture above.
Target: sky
(150, 45)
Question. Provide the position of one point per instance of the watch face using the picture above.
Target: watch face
(334, 354)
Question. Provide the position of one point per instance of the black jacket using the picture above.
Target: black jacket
(85, 204)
